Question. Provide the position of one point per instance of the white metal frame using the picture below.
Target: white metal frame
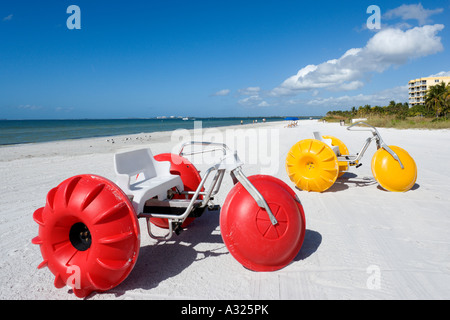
(229, 162)
(353, 160)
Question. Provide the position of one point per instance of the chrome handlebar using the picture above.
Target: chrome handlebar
(377, 137)
(218, 146)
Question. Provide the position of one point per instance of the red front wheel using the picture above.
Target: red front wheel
(248, 232)
(88, 234)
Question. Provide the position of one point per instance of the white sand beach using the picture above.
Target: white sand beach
(361, 241)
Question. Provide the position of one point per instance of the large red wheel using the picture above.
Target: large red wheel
(88, 234)
(248, 232)
(190, 177)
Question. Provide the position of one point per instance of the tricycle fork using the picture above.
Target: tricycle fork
(254, 193)
(379, 141)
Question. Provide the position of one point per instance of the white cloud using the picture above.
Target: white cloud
(412, 12)
(222, 92)
(64, 109)
(386, 48)
(253, 100)
(441, 74)
(254, 97)
(250, 101)
(8, 18)
(394, 46)
(249, 91)
(348, 86)
(382, 98)
(29, 107)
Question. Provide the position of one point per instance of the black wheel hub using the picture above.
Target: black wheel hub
(80, 236)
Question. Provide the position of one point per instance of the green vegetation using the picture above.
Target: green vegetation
(433, 115)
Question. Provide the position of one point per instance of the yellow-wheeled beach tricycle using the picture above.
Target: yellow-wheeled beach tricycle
(315, 164)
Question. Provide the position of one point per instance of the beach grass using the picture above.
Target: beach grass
(391, 121)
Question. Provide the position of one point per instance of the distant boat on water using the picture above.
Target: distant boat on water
(185, 118)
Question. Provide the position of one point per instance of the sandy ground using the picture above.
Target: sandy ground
(361, 242)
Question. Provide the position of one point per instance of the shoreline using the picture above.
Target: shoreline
(108, 143)
(22, 132)
(140, 133)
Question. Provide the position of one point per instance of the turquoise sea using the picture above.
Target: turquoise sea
(30, 131)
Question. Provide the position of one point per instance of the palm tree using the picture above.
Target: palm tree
(446, 98)
(434, 99)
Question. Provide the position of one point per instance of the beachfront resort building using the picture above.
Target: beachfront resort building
(419, 87)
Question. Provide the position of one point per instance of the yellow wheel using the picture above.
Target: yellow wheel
(343, 150)
(388, 172)
(312, 165)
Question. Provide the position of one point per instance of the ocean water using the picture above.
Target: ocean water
(30, 131)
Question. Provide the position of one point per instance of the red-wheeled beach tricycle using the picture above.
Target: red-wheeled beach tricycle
(89, 233)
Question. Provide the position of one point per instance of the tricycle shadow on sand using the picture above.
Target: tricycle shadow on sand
(350, 180)
(162, 261)
(166, 259)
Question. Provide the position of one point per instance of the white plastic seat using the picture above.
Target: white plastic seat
(335, 149)
(154, 177)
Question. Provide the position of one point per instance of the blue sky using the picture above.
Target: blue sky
(213, 58)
